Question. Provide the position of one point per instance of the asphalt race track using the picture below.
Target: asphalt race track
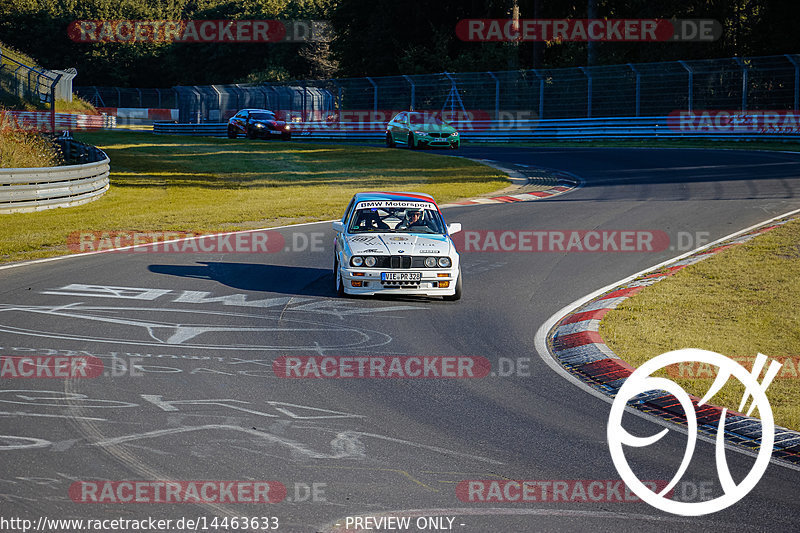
(192, 338)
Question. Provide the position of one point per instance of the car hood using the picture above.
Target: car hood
(432, 128)
(398, 243)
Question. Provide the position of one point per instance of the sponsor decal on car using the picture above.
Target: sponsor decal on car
(395, 204)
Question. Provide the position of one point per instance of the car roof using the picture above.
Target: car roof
(373, 196)
(258, 110)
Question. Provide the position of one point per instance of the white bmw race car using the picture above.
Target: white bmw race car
(395, 243)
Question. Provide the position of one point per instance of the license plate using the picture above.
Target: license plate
(401, 276)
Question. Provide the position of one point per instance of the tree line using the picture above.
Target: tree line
(372, 37)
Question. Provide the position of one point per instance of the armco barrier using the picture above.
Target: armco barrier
(522, 130)
(139, 115)
(36, 189)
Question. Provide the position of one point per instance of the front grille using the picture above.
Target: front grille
(400, 261)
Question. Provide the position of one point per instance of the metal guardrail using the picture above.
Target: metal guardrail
(522, 130)
(623, 90)
(35, 189)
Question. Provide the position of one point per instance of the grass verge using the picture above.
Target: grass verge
(740, 302)
(26, 149)
(192, 184)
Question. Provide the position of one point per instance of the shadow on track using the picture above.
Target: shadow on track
(279, 279)
(300, 281)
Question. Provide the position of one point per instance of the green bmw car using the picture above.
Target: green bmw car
(418, 130)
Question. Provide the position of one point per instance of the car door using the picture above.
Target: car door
(241, 122)
(396, 128)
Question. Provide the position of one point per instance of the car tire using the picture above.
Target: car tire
(454, 146)
(411, 144)
(456, 295)
(338, 283)
(389, 140)
(251, 134)
(286, 137)
(232, 133)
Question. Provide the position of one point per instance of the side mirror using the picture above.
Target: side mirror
(338, 227)
(455, 227)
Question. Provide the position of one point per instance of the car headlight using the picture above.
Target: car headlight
(287, 127)
(430, 262)
(258, 125)
(421, 133)
(370, 261)
(454, 134)
(356, 261)
(444, 262)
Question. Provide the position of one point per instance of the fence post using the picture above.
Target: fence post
(744, 82)
(691, 84)
(793, 61)
(263, 90)
(541, 93)
(413, 91)
(588, 91)
(638, 87)
(338, 103)
(53, 103)
(219, 101)
(374, 94)
(305, 101)
(496, 95)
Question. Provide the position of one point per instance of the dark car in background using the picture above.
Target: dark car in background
(258, 124)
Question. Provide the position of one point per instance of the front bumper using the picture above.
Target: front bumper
(437, 142)
(265, 133)
(371, 284)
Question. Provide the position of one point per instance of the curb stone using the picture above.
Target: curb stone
(577, 346)
(565, 182)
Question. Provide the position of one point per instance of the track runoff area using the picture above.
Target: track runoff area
(203, 410)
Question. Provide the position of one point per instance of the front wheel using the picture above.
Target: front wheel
(231, 133)
(411, 143)
(389, 140)
(457, 295)
(339, 283)
(251, 134)
(286, 136)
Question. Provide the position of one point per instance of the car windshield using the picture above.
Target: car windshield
(419, 118)
(262, 116)
(396, 220)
